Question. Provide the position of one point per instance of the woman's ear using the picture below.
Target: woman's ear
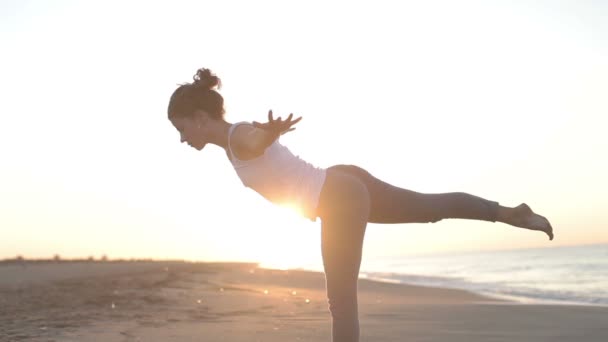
(201, 117)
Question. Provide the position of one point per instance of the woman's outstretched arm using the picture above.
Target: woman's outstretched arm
(253, 140)
(277, 126)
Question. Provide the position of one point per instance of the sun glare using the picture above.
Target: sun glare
(289, 209)
(290, 240)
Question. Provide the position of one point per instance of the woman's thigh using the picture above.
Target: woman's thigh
(389, 203)
(344, 211)
(392, 204)
(344, 195)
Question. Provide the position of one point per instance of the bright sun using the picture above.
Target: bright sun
(289, 241)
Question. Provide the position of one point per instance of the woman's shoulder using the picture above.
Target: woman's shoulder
(239, 132)
(242, 139)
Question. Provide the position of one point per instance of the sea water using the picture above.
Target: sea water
(558, 275)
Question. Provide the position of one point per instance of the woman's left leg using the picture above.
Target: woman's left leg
(344, 210)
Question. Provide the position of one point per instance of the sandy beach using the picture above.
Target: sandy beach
(178, 301)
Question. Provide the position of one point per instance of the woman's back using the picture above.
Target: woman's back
(280, 176)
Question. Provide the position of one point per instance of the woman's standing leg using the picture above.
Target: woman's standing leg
(344, 211)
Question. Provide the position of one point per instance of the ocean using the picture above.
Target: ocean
(558, 275)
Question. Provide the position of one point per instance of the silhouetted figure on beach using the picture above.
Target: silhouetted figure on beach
(344, 197)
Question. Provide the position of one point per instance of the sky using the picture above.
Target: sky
(505, 100)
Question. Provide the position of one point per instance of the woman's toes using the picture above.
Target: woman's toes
(550, 230)
(541, 223)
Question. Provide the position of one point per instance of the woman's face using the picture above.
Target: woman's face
(191, 131)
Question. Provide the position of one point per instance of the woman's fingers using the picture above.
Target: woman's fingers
(297, 120)
(292, 122)
(289, 118)
(289, 130)
(278, 125)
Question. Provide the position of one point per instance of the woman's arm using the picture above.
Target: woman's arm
(256, 140)
(248, 140)
(278, 126)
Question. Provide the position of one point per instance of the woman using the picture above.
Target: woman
(344, 197)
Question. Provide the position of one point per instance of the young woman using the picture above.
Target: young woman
(344, 197)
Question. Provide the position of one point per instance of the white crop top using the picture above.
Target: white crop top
(281, 177)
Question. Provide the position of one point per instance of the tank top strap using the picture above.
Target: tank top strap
(230, 130)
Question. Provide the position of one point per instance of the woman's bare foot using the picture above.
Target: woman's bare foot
(522, 216)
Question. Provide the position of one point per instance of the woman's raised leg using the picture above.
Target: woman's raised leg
(391, 204)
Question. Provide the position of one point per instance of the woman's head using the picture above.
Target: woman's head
(192, 104)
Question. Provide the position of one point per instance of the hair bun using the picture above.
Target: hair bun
(204, 78)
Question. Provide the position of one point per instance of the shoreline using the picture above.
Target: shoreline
(514, 299)
(79, 269)
(184, 301)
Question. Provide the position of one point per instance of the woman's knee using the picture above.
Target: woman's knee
(424, 208)
(444, 205)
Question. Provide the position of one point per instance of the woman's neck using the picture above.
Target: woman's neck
(218, 133)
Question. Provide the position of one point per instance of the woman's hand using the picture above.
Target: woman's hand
(277, 127)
